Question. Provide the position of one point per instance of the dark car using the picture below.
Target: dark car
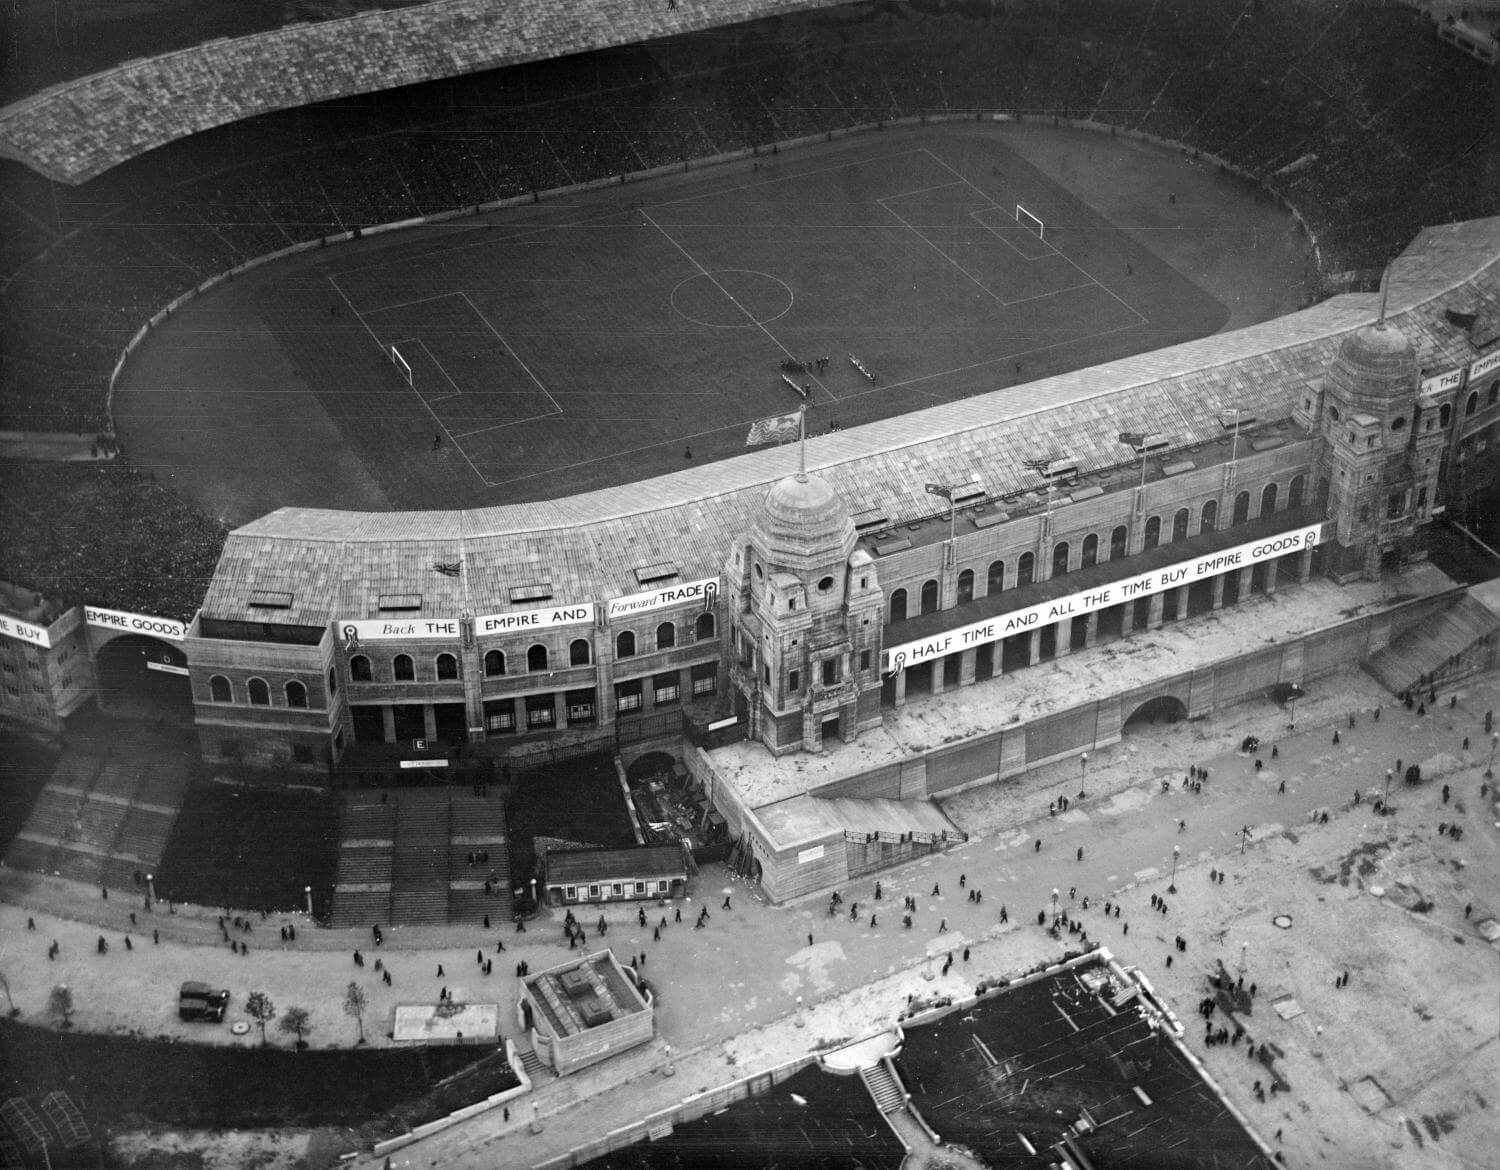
(199, 1001)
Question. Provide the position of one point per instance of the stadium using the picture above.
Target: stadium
(372, 432)
(584, 618)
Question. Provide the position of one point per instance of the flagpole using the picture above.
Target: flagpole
(802, 441)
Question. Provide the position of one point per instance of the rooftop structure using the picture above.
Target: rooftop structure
(584, 1011)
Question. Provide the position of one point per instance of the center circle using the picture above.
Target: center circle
(732, 298)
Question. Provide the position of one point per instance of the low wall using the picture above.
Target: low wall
(383, 1148)
(660, 1124)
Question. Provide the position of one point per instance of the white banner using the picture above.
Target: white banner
(813, 854)
(424, 763)
(134, 623)
(25, 631)
(705, 591)
(1446, 381)
(898, 658)
(167, 668)
(353, 633)
(533, 619)
(1484, 365)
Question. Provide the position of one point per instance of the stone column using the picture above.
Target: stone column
(1304, 566)
(937, 674)
(997, 657)
(1063, 639)
(388, 719)
(1090, 629)
(966, 667)
(1245, 583)
(1270, 577)
(1218, 590)
(560, 710)
(429, 721)
(901, 688)
(1034, 647)
(1158, 604)
(1182, 602)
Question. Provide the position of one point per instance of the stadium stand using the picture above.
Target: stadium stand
(1336, 109)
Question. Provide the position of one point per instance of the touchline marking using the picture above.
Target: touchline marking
(749, 316)
(385, 357)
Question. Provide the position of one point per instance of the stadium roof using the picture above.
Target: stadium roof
(336, 564)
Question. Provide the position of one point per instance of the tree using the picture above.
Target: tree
(258, 1007)
(60, 1005)
(295, 1020)
(355, 1003)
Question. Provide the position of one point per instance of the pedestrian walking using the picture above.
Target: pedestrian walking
(1036, 845)
(809, 938)
(727, 906)
(440, 971)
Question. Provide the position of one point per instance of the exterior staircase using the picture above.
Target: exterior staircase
(419, 875)
(531, 1062)
(885, 1089)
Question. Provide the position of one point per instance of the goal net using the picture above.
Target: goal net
(401, 364)
(1028, 221)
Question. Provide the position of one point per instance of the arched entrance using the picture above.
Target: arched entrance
(1162, 709)
(144, 677)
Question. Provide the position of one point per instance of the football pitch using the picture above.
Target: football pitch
(604, 338)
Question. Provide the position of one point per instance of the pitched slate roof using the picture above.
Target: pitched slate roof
(587, 546)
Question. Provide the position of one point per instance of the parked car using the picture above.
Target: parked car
(199, 1001)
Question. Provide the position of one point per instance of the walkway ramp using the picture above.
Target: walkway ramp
(1429, 650)
(879, 817)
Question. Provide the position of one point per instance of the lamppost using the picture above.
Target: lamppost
(1489, 769)
(1292, 703)
(671, 1069)
(1083, 774)
(1176, 853)
(1385, 796)
(1054, 905)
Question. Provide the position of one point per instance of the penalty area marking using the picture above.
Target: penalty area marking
(432, 357)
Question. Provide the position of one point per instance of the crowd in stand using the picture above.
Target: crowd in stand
(1349, 111)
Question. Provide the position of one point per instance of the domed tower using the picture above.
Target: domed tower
(806, 635)
(1378, 455)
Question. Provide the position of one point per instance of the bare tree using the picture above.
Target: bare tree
(60, 1005)
(295, 1020)
(258, 1007)
(355, 1003)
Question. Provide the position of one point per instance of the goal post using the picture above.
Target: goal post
(401, 364)
(1031, 223)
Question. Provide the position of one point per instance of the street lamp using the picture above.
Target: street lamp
(1292, 703)
(1054, 905)
(1385, 797)
(1489, 769)
(1083, 775)
(1176, 853)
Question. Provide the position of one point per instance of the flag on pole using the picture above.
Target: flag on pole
(1132, 439)
(779, 428)
(937, 489)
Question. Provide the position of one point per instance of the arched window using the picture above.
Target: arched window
(1294, 491)
(929, 597)
(1180, 524)
(704, 627)
(402, 668)
(996, 582)
(447, 666)
(1117, 540)
(359, 668)
(625, 644)
(1090, 554)
(578, 652)
(966, 587)
(1153, 532)
(219, 690)
(1445, 414)
(333, 681)
(494, 663)
(1060, 558)
(536, 658)
(296, 694)
(1268, 499)
(1210, 516)
(1025, 569)
(1398, 423)
(1241, 508)
(1472, 404)
(898, 606)
(260, 693)
(666, 636)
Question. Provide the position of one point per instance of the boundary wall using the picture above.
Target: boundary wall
(429, 1128)
(727, 157)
